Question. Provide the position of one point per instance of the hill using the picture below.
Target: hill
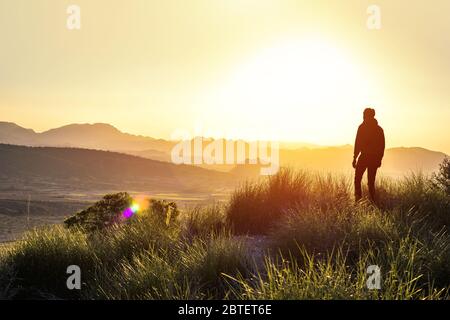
(83, 169)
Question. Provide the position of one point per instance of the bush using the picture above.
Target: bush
(165, 211)
(110, 210)
(255, 207)
(102, 214)
(441, 180)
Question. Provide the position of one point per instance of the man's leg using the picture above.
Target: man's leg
(359, 172)
(371, 174)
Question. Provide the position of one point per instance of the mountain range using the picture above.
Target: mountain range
(91, 136)
(101, 136)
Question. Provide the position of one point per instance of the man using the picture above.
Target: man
(369, 147)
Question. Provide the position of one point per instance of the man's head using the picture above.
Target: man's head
(369, 113)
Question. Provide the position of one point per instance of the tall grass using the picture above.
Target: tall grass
(143, 259)
(331, 277)
(317, 244)
(186, 271)
(255, 206)
(204, 220)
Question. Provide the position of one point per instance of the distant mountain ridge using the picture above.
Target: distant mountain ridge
(396, 162)
(102, 136)
(14, 134)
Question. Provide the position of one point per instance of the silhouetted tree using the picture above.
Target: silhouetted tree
(101, 214)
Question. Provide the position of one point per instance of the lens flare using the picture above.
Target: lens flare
(135, 207)
(138, 205)
(127, 213)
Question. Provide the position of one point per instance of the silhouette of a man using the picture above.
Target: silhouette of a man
(368, 153)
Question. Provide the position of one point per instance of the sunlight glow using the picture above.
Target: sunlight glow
(291, 87)
(139, 205)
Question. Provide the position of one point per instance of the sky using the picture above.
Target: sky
(256, 69)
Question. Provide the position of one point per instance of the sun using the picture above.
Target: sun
(290, 89)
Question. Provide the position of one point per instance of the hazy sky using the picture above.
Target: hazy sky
(290, 70)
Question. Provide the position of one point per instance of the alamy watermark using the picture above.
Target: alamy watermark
(198, 150)
(73, 21)
(374, 17)
(74, 280)
(374, 280)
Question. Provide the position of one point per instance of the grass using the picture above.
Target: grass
(318, 245)
(330, 277)
(153, 273)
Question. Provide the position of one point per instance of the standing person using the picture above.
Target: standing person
(368, 152)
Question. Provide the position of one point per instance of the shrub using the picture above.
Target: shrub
(165, 211)
(441, 180)
(102, 214)
(255, 207)
(109, 211)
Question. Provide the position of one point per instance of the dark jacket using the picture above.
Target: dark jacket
(370, 142)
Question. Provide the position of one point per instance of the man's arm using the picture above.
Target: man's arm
(382, 146)
(357, 148)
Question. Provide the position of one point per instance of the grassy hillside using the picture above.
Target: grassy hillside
(293, 236)
(86, 169)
